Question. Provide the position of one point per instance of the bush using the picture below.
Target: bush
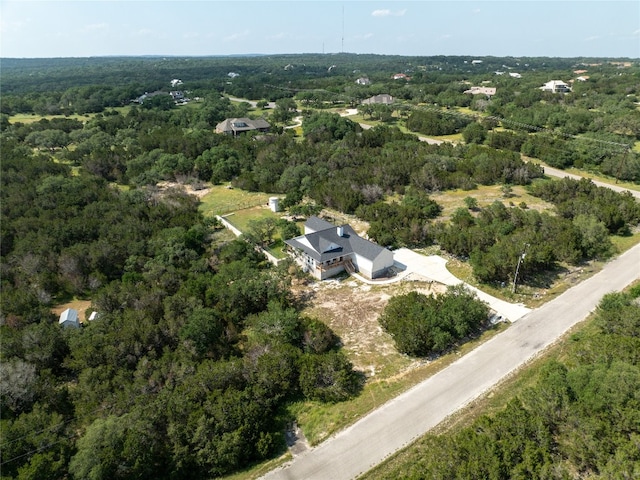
(422, 325)
(328, 377)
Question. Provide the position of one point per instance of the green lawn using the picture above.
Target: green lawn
(32, 117)
(222, 200)
(241, 218)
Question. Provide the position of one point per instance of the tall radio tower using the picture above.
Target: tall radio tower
(342, 50)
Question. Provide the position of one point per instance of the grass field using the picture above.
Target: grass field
(221, 200)
(486, 195)
(32, 117)
(241, 218)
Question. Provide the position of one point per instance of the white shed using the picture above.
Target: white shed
(69, 318)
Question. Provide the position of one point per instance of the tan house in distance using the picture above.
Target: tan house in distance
(382, 99)
(488, 91)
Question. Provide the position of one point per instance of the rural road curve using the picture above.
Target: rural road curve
(402, 420)
(554, 172)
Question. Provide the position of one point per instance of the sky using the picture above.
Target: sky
(88, 28)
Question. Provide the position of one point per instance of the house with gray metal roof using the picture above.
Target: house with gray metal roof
(234, 126)
(325, 250)
(69, 318)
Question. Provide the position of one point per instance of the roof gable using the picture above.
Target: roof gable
(332, 241)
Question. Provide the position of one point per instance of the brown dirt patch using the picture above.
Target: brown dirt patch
(80, 305)
(352, 310)
(200, 192)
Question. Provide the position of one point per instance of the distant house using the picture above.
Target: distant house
(556, 86)
(177, 95)
(233, 74)
(69, 319)
(382, 99)
(363, 81)
(325, 250)
(515, 75)
(401, 76)
(476, 62)
(235, 126)
(488, 91)
(146, 95)
(176, 82)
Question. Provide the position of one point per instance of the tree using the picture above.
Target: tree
(285, 108)
(261, 232)
(328, 377)
(204, 331)
(48, 139)
(288, 229)
(17, 385)
(474, 133)
(422, 325)
(471, 203)
(595, 241)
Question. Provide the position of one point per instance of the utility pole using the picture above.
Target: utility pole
(520, 259)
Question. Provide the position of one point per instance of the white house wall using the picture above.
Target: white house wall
(381, 263)
(365, 266)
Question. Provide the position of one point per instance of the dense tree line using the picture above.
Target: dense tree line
(401, 224)
(340, 166)
(498, 237)
(579, 419)
(196, 351)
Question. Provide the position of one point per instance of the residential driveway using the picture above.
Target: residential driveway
(434, 267)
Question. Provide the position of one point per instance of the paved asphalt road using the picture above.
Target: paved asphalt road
(554, 172)
(368, 442)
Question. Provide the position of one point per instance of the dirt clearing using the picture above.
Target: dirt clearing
(352, 309)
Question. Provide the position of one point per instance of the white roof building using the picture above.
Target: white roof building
(69, 318)
(556, 86)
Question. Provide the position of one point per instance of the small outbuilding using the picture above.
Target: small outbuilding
(69, 319)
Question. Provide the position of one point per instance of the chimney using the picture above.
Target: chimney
(341, 231)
